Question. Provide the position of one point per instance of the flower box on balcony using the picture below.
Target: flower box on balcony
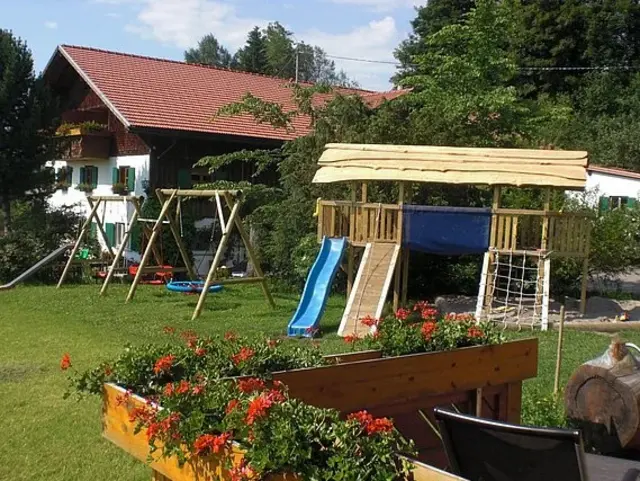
(486, 380)
(79, 143)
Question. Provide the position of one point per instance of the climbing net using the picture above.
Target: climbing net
(515, 288)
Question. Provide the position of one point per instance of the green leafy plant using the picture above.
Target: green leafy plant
(423, 329)
(543, 410)
(62, 185)
(119, 188)
(84, 127)
(84, 187)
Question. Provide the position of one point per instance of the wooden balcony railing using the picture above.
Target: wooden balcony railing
(85, 146)
(561, 233)
(361, 222)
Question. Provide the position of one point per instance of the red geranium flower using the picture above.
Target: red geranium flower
(201, 351)
(169, 389)
(351, 338)
(428, 328)
(250, 384)
(242, 472)
(231, 406)
(124, 398)
(183, 387)
(369, 321)
(164, 364)
(245, 354)
(429, 313)
(363, 417)
(402, 314)
(379, 425)
(474, 332)
(420, 306)
(65, 362)
(257, 409)
(208, 443)
(198, 389)
(230, 336)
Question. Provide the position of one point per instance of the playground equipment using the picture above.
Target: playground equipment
(232, 200)
(36, 267)
(389, 232)
(191, 287)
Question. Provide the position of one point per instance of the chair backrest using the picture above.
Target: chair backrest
(484, 450)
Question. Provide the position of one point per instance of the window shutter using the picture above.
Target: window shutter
(184, 178)
(115, 175)
(604, 204)
(94, 227)
(631, 202)
(69, 175)
(83, 175)
(134, 238)
(110, 230)
(94, 180)
(131, 179)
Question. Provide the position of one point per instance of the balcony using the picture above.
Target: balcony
(84, 142)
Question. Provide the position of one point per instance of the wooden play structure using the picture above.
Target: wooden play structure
(225, 200)
(95, 202)
(517, 244)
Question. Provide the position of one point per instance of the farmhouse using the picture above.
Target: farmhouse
(614, 187)
(134, 124)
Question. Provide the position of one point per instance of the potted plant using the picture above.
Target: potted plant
(81, 128)
(62, 185)
(184, 404)
(119, 188)
(84, 187)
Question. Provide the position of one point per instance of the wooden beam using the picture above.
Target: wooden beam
(352, 233)
(101, 229)
(251, 253)
(365, 188)
(178, 239)
(220, 212)
(123, 245)
(199, 193)
(154, 234)
(216, 262)
(119, 198)
(83, 231)
(239, 280)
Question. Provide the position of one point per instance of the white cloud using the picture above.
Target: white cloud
(51, 24)
(113, 15)
(383, 5)
(374, 41)
(184, 22)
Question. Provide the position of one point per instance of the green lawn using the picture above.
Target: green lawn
(47, 438)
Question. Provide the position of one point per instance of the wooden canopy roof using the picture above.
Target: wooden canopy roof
(453, 165)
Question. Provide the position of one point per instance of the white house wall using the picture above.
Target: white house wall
(112, 212)
(607, 185)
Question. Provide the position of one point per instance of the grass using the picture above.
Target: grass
(47, 438)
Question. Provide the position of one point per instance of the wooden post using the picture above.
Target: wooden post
(556, 382)
(178, 238)
(397, 281)
(543, 262)
(121, 248)
(83, 231)
(250, 252)
(320, 209)
(99, 225)
(495, 205)
(479, 402)
(216, 262)
(364, 192)
(352, 234)
(585, 273)
(157, 227)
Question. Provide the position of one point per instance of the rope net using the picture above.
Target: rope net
(515, 289)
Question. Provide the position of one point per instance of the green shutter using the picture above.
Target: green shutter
(69, 174)
(184, 178)
(115, 176)
(94, 227)
(110, 230)
(131, 179)
(94, 184)
(631, 202)
(604, 204)
(134, 238)
(83, 175)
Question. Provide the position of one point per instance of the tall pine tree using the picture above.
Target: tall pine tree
(27, 127)
(253, 56)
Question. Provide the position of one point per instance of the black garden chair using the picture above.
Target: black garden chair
(484, 450)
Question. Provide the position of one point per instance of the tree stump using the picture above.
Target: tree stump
(603, 399)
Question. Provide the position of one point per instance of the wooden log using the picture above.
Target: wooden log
(603, 395)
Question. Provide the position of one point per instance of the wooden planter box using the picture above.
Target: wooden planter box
(79, 145)
(485, 379)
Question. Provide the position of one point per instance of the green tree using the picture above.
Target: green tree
(253, 56)
(429, 20)
(27, 127)
(209, 52)
(280, 50)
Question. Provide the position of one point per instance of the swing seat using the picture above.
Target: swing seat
(191, 287)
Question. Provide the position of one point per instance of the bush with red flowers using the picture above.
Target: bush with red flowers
(422, 328)
(198, 406)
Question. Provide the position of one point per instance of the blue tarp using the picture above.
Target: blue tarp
(446, 230)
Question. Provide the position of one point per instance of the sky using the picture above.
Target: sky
(366, 29)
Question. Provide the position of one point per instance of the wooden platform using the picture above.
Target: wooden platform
(370, 287)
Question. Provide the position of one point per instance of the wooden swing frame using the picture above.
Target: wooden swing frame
(233, 201)
(94, 203)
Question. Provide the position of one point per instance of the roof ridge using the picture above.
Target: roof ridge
(212, 67)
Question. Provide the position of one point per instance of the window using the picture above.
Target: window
(89, 175)
(120, 231)
(125, 176)
(616, 202)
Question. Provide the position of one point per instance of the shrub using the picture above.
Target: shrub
(543, 410)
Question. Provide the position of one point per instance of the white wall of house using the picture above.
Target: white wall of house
(601, 184)
(118, 213)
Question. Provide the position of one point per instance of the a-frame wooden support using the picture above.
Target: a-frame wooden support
(233, 202)
(94, 203)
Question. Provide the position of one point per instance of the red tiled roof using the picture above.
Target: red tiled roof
(156, 93)
(614, 171)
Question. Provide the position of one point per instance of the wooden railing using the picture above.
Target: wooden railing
(360, 222)
(562, 234)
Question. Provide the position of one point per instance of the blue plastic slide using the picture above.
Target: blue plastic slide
(316, 290)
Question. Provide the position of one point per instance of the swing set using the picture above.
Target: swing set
(225, 200)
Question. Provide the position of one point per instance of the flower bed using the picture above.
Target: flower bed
(290, 409)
